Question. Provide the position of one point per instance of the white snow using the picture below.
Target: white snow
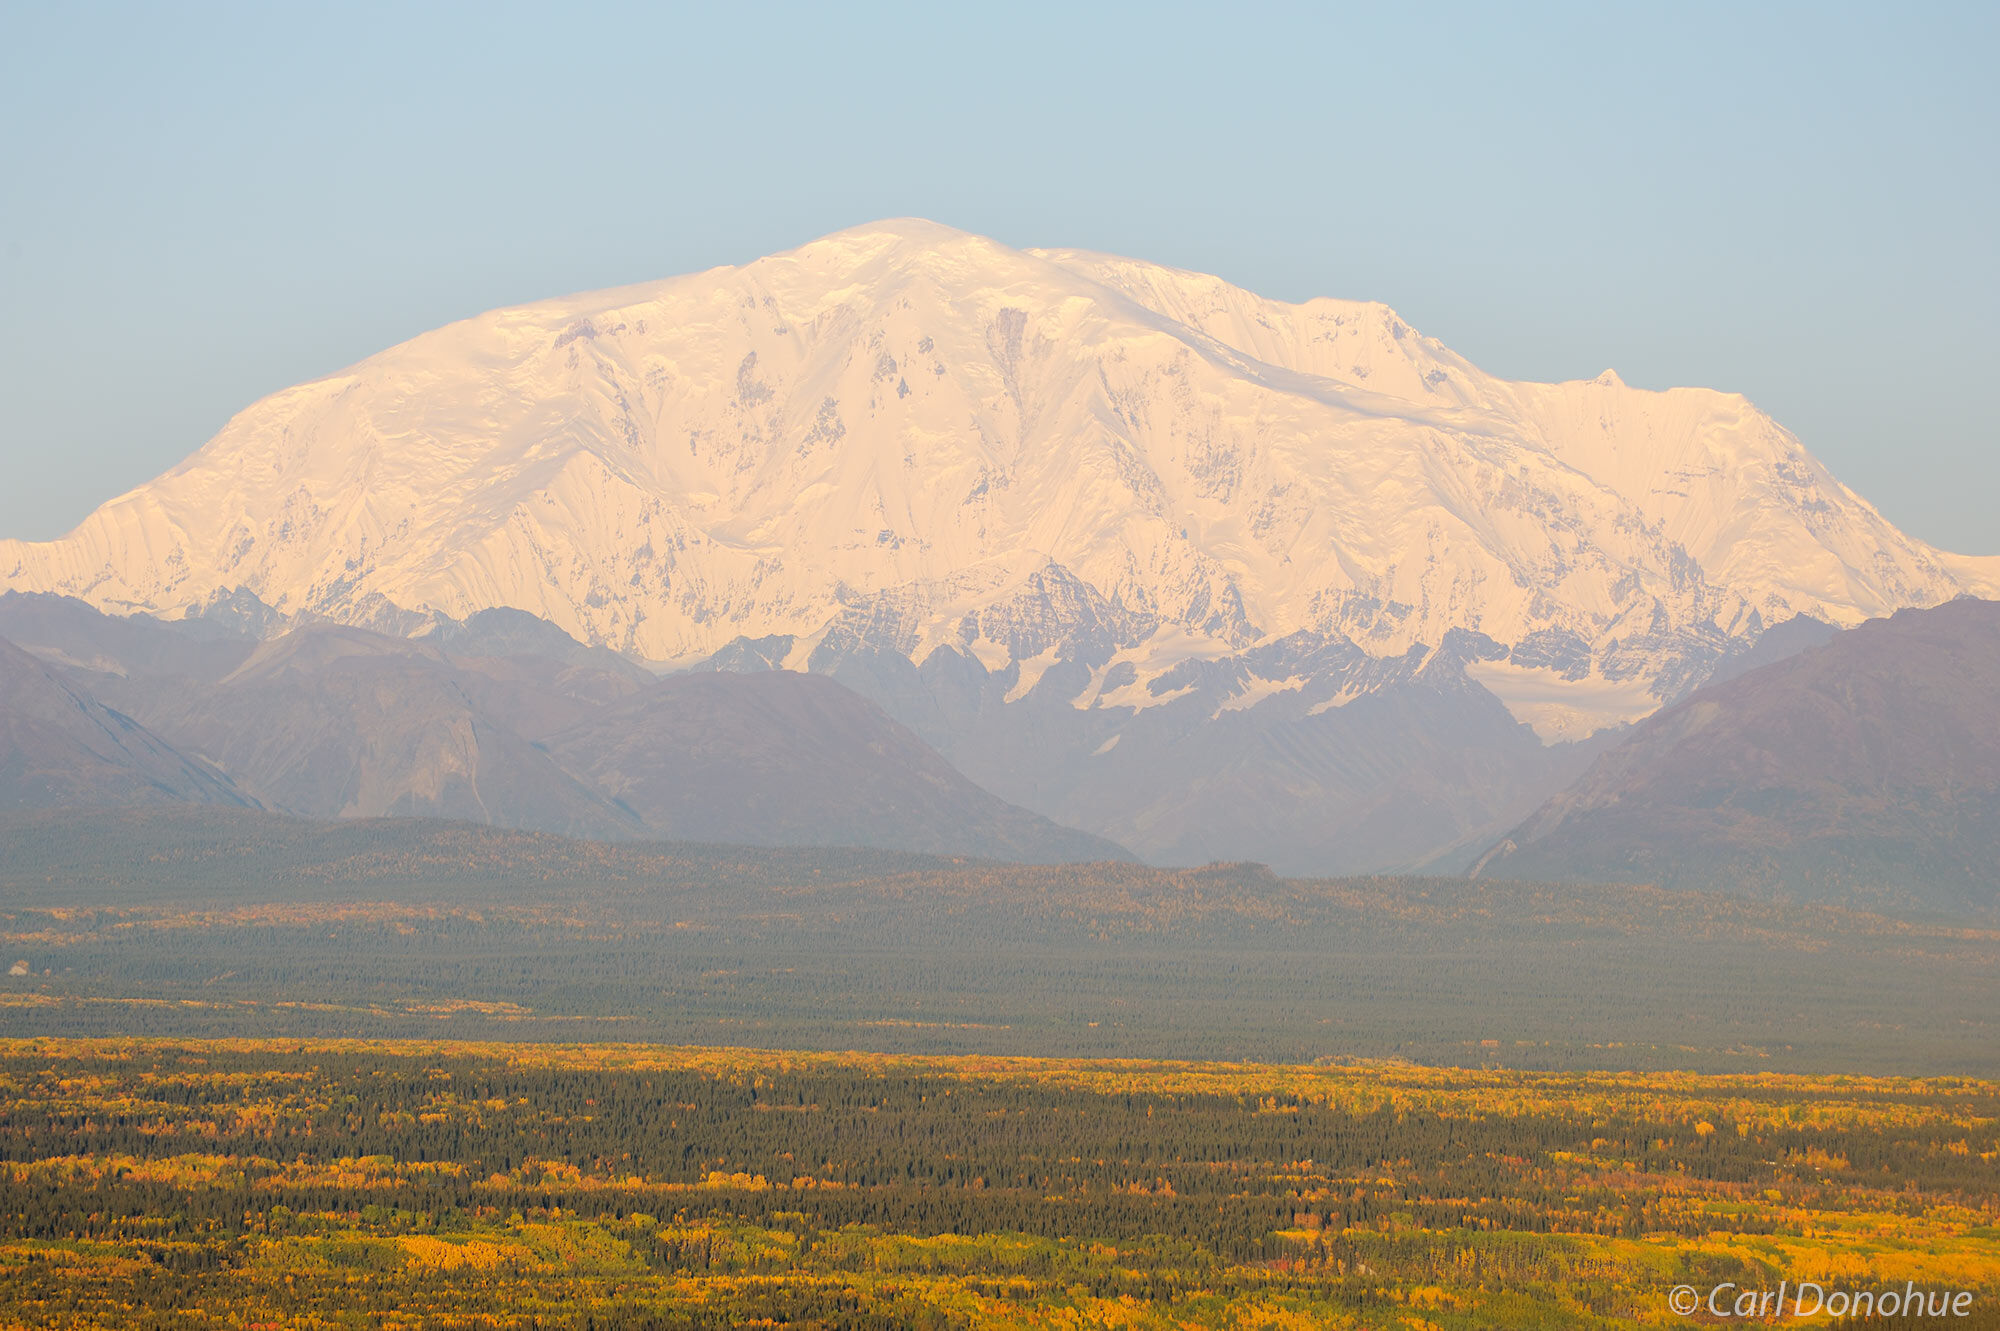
(1032, 670)
(900, 426)
(1560, 709)
(1255, 690)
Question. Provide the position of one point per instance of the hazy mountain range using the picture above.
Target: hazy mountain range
(333, 722)
(1205, 574)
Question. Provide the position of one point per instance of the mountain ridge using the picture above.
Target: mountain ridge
(500, 720)
(1864, 768)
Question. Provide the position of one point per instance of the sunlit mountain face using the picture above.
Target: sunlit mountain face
(1211, 575)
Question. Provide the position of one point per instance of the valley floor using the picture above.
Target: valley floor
(291, 1183)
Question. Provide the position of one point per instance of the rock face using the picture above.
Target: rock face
(501, 720)
(61, 748)
(1867, 768)
(787, 758)
(1009, 493)
(334, 722)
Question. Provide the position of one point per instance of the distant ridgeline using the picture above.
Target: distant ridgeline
(1858, 767)
(181, 922)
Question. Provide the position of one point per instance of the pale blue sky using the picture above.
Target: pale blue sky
(201, 204)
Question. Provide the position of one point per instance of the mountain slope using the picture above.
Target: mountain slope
(1865, 768)
(331, 722)
(61, 748)
(1307, 755)
(781, 758)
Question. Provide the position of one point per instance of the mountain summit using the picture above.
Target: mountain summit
(1118, 486)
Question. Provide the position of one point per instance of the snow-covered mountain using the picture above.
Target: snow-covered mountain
(970, 478)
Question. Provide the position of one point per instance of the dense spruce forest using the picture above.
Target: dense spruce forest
(261, 1072)
(310, 1184)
